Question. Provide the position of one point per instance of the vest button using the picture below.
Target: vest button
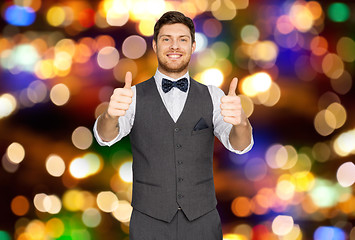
(180, 196)
(179, 162)
(180, 179)
(178, 146)
(177, 129)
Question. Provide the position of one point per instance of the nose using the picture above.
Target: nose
(174, 44)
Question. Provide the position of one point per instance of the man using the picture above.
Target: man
(172, 121)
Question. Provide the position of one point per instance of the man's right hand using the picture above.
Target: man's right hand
(121, 98)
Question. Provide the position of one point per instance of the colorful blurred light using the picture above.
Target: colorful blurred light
(346, 174)
(20, 205)
(134, 47)
(82, 138)
(324, 193)
(221, 49)
(125, 172)
(37, 91)
(255, 169)
(60, 94)
(60, 16)
(123, 212)
(201, 42)
(250, 34)
(329, 233)
(146, 27)
(301, 17)
(4, 235)
(107, 201)
(55, 228)
(23, 57)
(284, 24)
(85, 166)
(282, 225)
(232, 236)
(344, 144)
(256, 83)
(338, 12)
(8, 104)
(117, 16)
(285, 190)
(19, 15)
(241, 207)
(55, 165)
(108, 57)
(243, 230)
(15, 152)
(346, 49)
(332, 65)
(212, 27)
(75, 200)
(212, 76)
(247, 104)
(91, 217)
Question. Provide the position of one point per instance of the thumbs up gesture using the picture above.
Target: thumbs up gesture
(231, 107)
(121, 98)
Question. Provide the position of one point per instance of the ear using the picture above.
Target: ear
(193, 47)
(154, 45)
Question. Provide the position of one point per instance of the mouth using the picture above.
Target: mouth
(174, 55)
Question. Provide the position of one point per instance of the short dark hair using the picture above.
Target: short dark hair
(172, 17)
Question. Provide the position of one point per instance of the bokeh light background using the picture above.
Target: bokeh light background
(61, 60)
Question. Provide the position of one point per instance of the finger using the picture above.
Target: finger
(230, 113)
(119, 106)
(228, 106)
(128, 80)
(123, 92)
(124, 99)
(116, 113)
(232, 120)
(230, 99)
(233, 87)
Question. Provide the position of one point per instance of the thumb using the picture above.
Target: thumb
(233, 87)
(128, 80)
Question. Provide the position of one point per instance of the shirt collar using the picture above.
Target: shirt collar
(159, 76)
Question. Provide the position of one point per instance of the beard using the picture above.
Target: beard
(173, 69)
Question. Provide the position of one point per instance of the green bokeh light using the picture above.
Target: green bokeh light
(338, 12)
(4, 236)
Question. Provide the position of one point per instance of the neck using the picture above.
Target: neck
(174, 75)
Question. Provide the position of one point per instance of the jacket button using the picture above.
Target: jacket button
(177, 129)
(178, 146)
(180, 196)
(180, 179)
(179, 162)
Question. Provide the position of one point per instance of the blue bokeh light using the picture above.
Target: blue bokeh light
(329, 233)
(20, 16)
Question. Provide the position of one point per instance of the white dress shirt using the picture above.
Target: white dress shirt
(174, 101)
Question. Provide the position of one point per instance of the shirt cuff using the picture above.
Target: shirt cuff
(99, 139)
(247, 149)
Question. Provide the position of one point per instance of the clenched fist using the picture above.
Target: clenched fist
(121, 98)
(231, 106)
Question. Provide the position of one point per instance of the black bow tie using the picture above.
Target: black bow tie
(181, 84)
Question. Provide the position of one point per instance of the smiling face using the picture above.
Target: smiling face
(174, 47)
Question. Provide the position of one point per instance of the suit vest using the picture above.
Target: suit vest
(173, 162)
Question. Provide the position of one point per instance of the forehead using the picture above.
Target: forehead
(175, 29)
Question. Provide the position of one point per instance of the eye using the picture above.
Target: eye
(165, 39)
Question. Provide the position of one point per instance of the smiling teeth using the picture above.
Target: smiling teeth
(174, 56)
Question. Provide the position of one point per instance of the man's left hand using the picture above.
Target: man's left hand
(231, 106)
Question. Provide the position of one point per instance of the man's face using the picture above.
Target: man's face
(174, 48)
